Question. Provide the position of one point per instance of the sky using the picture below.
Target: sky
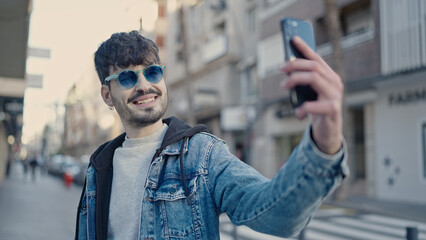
(73, 30)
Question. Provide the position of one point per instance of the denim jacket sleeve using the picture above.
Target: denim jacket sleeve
(283, 205)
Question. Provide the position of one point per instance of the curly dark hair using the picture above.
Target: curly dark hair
(122, 50)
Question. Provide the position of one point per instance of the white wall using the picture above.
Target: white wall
(398, 134)
(370, 149)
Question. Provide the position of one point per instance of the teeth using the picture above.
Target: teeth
(145, 101)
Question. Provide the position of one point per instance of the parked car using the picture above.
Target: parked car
(55, 165)
(84, 163)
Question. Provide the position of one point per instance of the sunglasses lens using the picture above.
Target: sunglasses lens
(127, 79)
(153, 74)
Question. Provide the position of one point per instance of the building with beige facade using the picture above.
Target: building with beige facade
(88, 122)
(211, 62)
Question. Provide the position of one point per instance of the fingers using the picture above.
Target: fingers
(304, 65)
(304, 48)
(308, 52)
(315, 80)
(326, 107)
(309, 72)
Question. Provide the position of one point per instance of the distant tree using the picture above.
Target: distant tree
(334, 33)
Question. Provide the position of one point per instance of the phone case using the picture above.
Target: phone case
(291, 27)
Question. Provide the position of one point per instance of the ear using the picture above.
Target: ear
(106, 95)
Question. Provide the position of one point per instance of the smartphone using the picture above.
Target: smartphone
(291, 27)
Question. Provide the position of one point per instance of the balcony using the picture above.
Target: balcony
(215, 48)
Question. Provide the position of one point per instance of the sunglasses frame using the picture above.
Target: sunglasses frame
(115, 76)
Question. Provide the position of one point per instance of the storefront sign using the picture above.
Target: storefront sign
(407, 97)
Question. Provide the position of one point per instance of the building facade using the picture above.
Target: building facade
(223, 58)
(211, 62)
(384, 63)
(14, 25)
(88, 122)
(400, 106)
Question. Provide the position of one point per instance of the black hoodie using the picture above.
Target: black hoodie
(101, 160)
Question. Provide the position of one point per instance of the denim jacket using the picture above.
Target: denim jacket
(193, 178)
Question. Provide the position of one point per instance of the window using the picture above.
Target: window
(356, 23)
(270, 55)
(358, 141)
(195, 20)
(218, 5)
(356, 17)
(284, 145)
(161, 11)
(160, 41)
(249, 84)
(179, 55)
(220, 28)
(251, 20)
(320, 31)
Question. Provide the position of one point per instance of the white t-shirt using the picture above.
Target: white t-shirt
(130, 167)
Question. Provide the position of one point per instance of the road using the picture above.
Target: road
(44, 209)
(338, 224)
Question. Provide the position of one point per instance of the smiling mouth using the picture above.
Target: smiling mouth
(145, 101)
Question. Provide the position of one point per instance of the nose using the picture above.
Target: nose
(142, 83)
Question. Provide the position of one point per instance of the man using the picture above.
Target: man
(163, 179)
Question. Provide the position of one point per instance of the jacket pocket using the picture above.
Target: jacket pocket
(180, 214)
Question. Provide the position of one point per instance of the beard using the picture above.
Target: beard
(140, 119)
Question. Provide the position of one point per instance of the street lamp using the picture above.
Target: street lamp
(11, 139)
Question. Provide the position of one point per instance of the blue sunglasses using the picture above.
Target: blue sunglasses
(129, 78)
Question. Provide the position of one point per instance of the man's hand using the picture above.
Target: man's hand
(326, 112)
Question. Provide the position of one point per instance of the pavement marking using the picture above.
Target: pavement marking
(248, 232)
(394, 221)
(311, 234)
(358, 224)
(329, 212)
(348, 232)
(335, 224)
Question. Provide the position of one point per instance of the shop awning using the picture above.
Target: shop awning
(14, 29)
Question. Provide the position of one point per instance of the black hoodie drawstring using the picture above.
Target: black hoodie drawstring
(182, 172)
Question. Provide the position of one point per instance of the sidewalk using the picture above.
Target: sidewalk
(43, 209)
(409, 211)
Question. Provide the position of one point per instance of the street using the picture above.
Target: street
(45, 209)
(338, 224)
